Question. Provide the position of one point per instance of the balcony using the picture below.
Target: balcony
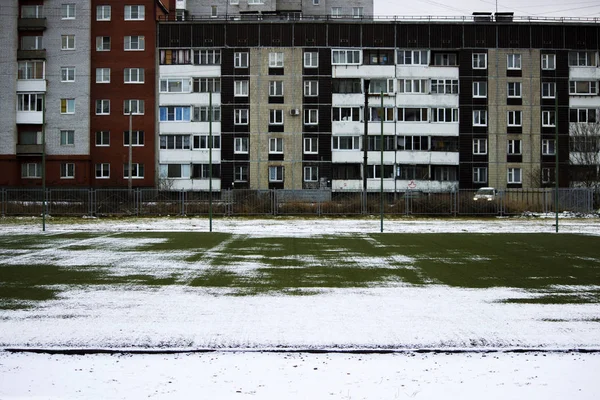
(32, 24)
(31, 54)
(30, 117)
(29, 149)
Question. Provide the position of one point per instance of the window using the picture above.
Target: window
(480, 89)
(214, 11)
(412, 57)
(34, 11)
(311, 145)
(344, 57)
(377, 114)
(137, 170)
(201, 142)
(67, 106)
(102, 43)
(548, 148)
(583, 87)
(514, 118)
(276, 174)
(513, 61)
(29, 137)
(174, 57)
(240, 173)
(32, 70)
(137, 138)
(275, 145)
(207, 57)
(234, 2)
(346, 114)
(336, 12)
(479, 175)
(444, 115)
(445, 59)
(548, 118)
(357, 12)
(345, 143)
(135, 107)
(103, 171)
(548, 61)
(514, 175)
(102, 107)
(240, 116)
(276, 117)
(134, 13)
(32, 43)
(102, 138)
(514, 146)
(67, 137)
(514, 89)
(175, 85)
(174, 170)
(133, 75)
(30, 102)
(350, 85)
(276, 88)
(67, 170)
(255, 1)
(207, 85)
(548, 90)
(479, 117)
(102, 13)
(174, 114)
(311, 59)
(311, 174)
(316, 2)
(583, 115)
(67, 42)
(276, 60)
(241, 88)
(134, 43)
(413, 86)
(67, 11)
(377, 86)
(102, 75)
(413, 114)
(444, 86)
(311, 116)
(480, 146)
(378, 57)
(311, 88)
(418, 143)
(582, 59)
(240, 145)
(389, 143)
(174, 142)
(201, 114)
(548, 175)
(479, 60)
(240, 60)
(67, 74)
(31, 170)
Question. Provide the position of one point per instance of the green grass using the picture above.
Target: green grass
(550, 268)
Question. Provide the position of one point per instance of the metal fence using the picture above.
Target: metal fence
(239, 202)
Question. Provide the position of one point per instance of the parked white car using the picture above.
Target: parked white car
(485, 193)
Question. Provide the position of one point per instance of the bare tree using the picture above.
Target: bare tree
(584, 154)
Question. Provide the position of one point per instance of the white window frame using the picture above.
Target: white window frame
(135, 105)
(33, 102)
(514, 147)
(32, 170)
(276, 173)
(32, 43)
(585, 61)
(311, 59)
(67, 42)
(336, 12)
(276, 88)
(276, 145)
(513, 61)
(33, 70)
(346, 57)
(102, 171)
(140, 41)
(240, 59)
(175, 85)
(444, 86)
(548, 147)
(137, 138)
(480, 118)
(240, 116)
(102, 139)
(69, 106)
(276, 59)
(413, 86)
(514, 175)
(548, 90)
(102, 107)
(477, 174)
(477, 89)
(409, 57)
(103, 13)
(514, 118)
(353, 141)
(241, 145)
(214, 11)
(358, 12)
(101, 45)
(241, 88)
(67, 171)
(67, 137)
(514, 90)
(480, 146)
(137, 171)
(549, 61)
(102, 75)
(275, 117)
(311, 116)
(574, 87)
(311, 88)
(311, 174)
(548, 118)
(133, 78)
(67, 74)
(311, 145)
(479, 61)
(67, 11)
(140, 10)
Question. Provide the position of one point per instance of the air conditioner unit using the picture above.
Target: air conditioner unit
(294, 111)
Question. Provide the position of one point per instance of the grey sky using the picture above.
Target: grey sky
(542, 8)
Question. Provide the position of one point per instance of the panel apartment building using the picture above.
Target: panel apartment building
(461, 104)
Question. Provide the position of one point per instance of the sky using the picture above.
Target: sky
(542, 8)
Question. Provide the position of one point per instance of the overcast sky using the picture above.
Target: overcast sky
(543, 8)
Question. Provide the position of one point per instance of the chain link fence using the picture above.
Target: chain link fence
(241, 202)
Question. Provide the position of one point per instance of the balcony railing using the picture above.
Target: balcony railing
(30, 149)
(31, 54)
(32, 24)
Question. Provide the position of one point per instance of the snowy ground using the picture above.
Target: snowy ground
(431, 317)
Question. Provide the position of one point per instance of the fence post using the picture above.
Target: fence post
(183, 194)
(274, 202)
(3, 200)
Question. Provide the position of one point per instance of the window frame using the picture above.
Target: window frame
(548, 59)
(101, 76)
(514, 147)
(127, 75)
(128, 41)
(102, 44)
(477, 85)
(477, 145)
(514, 90)
(241, 145)
(548, 118)
(241, 116)
(550, 89)
(65, 74)
(477, 175)
(308, 143)
(241, 59)
(127, 103)
(67, 170)
(311, 59)
(276, 145)
(311, 116)
(309, 172)
(102, 107)
(511, 178)
(67, 103)
(241, 88)
(548, 147)
(67, 137)
(275, 88)
(26, 169)
(276, 173)
(276, 117)
(128, 11)
(136, 168)
(478, 115)
(101, 14)
(99, 139)
(276, 59)
(102, 171)
(476, 61)
(514, 118)
(67, 42)
(513, 61)
(138, 138)
(311, 88)
(65, 11)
